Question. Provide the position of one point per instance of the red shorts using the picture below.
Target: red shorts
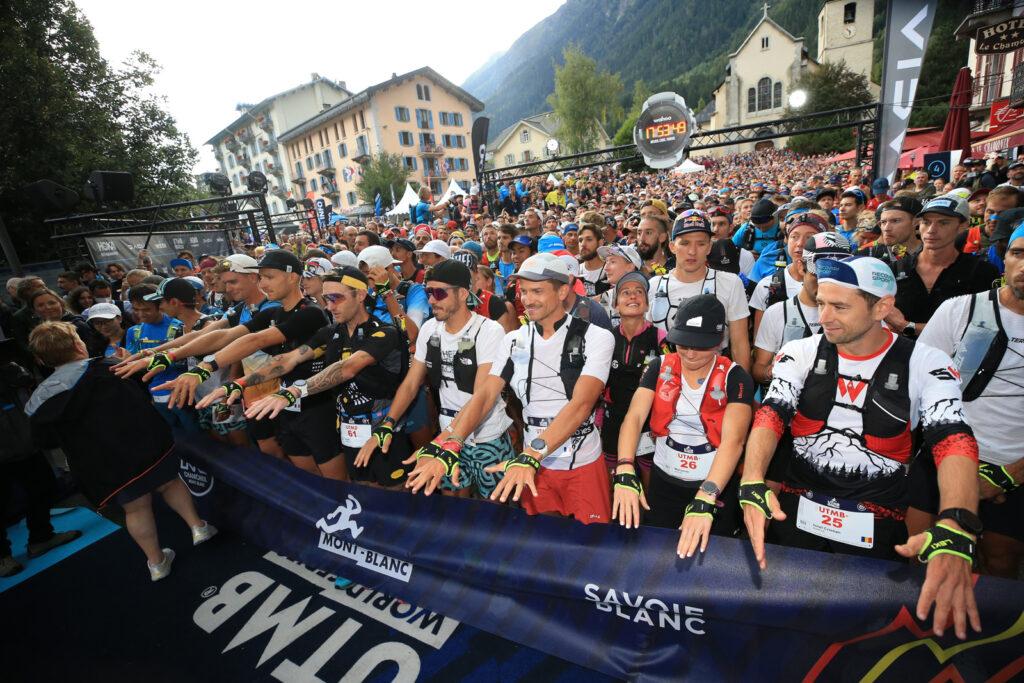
(583, 493)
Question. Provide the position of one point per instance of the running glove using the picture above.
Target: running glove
(997, 476)
(941, 539)
(446, 456)
(160, 361)
(287, 395)
(383, 433)
(628, 481)
(523, 460)
(701, 508)
(756, 493)
(231, 387)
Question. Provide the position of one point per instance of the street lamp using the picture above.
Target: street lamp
(797, 99)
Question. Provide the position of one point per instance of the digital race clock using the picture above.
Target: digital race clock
(663, 130)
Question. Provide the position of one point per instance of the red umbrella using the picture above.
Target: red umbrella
(956, 134)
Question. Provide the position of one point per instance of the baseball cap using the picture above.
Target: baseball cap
(317, 267)
(195, 281)
(524, 240)
(856, 193)
(354, 278)
(570, 227)
(1005, 224)
(550, 242)
(623, 251)
(880, 186)
(281, 259)
(724, 256)
(911, 205)
(824, 245)
(693, 220)
(377, 256)
(173, 288)
(544, 267)
(632, 276)
(345, 258)
(439, 247)
(1015, 164)
(239, 263)
(947, 205)
(466, 258)
(980, 192)
(699, 323)
(452, 272)
(176, 262)
(1014, 236)
(103, 311)
(405, 243)
(858, 272)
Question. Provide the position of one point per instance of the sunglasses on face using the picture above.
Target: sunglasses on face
(336, 297)
(438, 293)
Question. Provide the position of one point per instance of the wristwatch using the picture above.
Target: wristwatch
(300, 384)
(967, 520)
(540, 446)
(710, 488)
(910, 330)
(211, 360)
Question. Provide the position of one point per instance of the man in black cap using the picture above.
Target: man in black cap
(454, 353)
(693, 468)
(363, 360)
(404, 250)
(1015, 175)
(274, 331)
(897, 219)
(761, 231)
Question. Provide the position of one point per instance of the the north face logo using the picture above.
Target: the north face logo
(342, 517)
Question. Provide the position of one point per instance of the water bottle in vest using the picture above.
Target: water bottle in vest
(973, 348)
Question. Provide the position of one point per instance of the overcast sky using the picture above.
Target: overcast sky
(217, 54)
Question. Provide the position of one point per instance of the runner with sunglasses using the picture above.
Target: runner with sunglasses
(454, 353)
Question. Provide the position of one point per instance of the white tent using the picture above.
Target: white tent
(688, 166)
(410, 198)
(453, 190)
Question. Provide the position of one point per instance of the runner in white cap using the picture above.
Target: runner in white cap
(851, 400)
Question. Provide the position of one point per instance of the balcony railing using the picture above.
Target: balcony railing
(435, 173)
(986, 89)
(990, 5)
(245, 135)
(431, 150)
(1017, 87)
(266, 124)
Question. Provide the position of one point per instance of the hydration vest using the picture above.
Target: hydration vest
(570, 366)
(463, 362)
(796, 326)
(886, 411)
(712, 405)
(708, 286)
(980, 350)
(629, 360)
(777, 285)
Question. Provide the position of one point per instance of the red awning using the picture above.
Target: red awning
(1007, 138)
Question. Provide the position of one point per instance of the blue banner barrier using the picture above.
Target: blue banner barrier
(614, 600)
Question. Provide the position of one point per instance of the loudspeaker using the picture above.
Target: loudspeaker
(110, 186)
(49, 198)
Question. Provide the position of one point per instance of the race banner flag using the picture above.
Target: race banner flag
(614, 600)
(908, 26)
(478, 139)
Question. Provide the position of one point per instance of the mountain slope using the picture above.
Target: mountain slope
(682, 43)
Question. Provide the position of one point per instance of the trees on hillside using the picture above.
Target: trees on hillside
(67, 112)
(832, 86)
(584, 97)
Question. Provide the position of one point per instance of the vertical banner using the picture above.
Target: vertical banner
(478, 139)
(908, 26)
(321, 212)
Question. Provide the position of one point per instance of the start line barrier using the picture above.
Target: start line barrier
(614, 600)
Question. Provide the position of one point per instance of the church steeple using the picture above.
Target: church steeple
(765, 7)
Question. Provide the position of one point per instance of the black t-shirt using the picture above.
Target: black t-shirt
(373, 388)
(967, 275)
(496, 307)
(298, 326)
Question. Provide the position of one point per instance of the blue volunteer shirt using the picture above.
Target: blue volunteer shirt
(148, 336)
(762, 239)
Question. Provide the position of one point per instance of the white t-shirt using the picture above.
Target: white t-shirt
(666, 294)
(592, 275)
(773, 323)
(747, 261)
(996, 414)
(759, 297)
(531, 366)
(487, 335)
(934, 402)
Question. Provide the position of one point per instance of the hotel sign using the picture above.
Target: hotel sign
(1006, 36)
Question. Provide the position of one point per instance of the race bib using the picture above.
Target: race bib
(836, 520)
(646, 444)
(688, 463)
(355, 435)
(445, 420)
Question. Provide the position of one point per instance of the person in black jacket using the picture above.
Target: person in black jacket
(122, 460)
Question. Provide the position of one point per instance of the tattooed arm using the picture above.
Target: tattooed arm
(339, 372)
(277, 367)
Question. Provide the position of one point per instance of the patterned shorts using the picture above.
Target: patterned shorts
(472, 461)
